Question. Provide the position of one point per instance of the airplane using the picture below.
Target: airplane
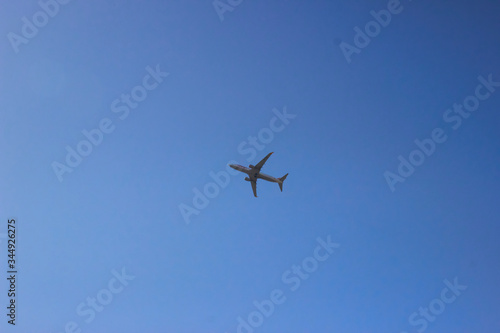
(254, 173)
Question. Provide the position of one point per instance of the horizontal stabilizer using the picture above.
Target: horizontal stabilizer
(282, 179)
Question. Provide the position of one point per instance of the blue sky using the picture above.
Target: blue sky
(112, 230)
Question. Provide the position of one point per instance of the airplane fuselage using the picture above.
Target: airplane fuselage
(254, 174)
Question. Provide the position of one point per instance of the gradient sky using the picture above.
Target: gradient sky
(120, 207)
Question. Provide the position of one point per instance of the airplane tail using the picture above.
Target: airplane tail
(282, 179)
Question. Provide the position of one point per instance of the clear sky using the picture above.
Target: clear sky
(116, 115)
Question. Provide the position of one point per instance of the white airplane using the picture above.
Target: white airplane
(253, 173)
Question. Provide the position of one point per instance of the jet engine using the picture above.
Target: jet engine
(251, 166)
(247, 179)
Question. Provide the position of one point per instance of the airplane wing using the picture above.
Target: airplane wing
(261, 163)
(254, 187)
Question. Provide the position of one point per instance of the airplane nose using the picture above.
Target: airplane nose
(232, 166)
